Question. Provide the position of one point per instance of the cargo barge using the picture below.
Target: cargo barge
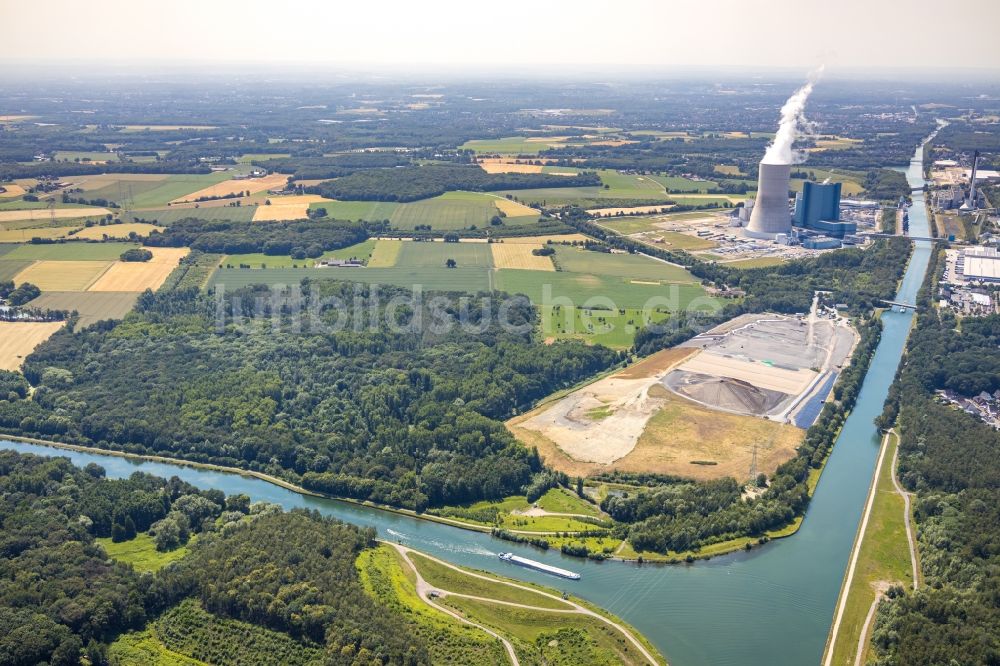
(538, 566)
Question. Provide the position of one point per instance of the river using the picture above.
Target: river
(773, 605)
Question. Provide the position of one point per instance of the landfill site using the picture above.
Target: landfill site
(747, 388)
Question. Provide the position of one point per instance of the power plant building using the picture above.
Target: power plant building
(817, 207)
(770, 215)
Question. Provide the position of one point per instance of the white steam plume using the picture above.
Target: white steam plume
(793, 124)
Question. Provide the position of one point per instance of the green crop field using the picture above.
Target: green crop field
(633, 266)
(451, 210)
(260, 260)
(21, 204)
(612, 328)
(148, 193)
(759, 262)
(167, 216)
(141, 552)
(84, 156)
(463, 279)
(68, 251)
(8, 268)
(681, 183)
(358, 210)
(511, 145)
(434, 255)
(247, 158)
(543, 287)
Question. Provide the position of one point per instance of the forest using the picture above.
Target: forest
(949, 459)
(422, 182)
(273, 238)
(256, 580)
(387, 399)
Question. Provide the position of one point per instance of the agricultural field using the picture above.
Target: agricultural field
(499, 165)
(172, 187)
(167, 216)
(385, 254)
(628, 210)
(92, 306)
(232, 186)
(8, 268)
(248, 158)
(612, 328)
(519, 256)
(462, 279)
(759, 262)
(359, 210)
(513, 145)
(19, 338)
(552, 288)
(631, 266)
(85, 156)
(116, 231)
(25, 235)
(11, 190)
(452, 210)
(63, 275)
(40, 214)
(288, 208)
(70, 251)
(434, 255)
(140, 275)
(514, 209)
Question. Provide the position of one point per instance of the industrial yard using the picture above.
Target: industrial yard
(754, 382)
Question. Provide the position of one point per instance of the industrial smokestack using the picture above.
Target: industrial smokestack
(972, 180)
(770, 214)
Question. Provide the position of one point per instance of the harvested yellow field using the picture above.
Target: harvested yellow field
(496, 166)
(286, 208)
(630, 210)
(756, 373)
(98, 232)
(11, 190)
(62, 275)
(14, 119)
(542, 240)
(45, 214)
(141, 275)
(164, 128)
(19, 338)
(513, 208)
(234, 186)
(25, 235)
(519, 255)
(385, 254)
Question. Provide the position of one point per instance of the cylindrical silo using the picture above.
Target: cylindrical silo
(770, 214)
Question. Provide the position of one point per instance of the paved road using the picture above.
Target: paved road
(573, 607)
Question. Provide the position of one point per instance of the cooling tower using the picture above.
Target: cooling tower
(770, 214)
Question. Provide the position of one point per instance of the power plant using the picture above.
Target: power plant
(770, 215)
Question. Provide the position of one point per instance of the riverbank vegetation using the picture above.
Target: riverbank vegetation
(948, 459)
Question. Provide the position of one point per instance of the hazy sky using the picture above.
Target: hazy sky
(843, 34)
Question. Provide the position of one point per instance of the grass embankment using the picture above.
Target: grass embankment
(883, 560)
(558, 511)
(551, 631)
(141, 552)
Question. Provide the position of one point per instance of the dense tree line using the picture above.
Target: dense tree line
(375, 404)
(422, 182)
(62, 600)
(886, 184)
(334, 166)
(274, 238)
(949, 459)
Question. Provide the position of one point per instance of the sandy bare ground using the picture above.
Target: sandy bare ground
(287, 208)
(754, 372)
(233, 186)
(19, 338)
(45, 213)
(519, 256)
(141, 275)
(601, 422)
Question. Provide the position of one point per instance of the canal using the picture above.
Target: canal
(769, 606)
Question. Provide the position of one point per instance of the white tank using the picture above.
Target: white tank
(770, 215)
